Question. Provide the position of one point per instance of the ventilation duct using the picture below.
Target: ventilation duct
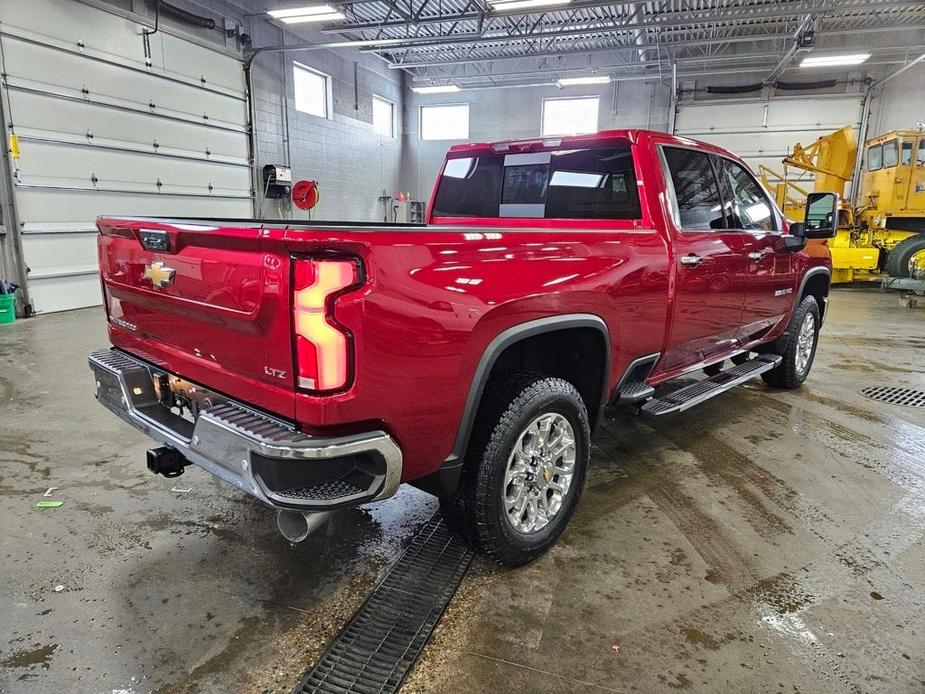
(805, 86)
(178, 14)
(735, 89)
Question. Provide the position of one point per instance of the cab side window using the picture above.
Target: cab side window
(696, 197)
(890, 154)
(875, 157)
(746, 204)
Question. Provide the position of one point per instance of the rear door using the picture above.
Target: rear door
(710, 262)
(769, 280)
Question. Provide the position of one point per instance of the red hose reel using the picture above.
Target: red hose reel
(305, 194)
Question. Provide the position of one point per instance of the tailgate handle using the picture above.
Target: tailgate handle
(155, 240)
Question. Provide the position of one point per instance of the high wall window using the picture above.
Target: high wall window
(570, 116)
(312, 91)
(383, 116)
(445, 122)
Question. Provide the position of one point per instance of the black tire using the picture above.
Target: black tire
(897, 261)
(476, 511)
(788, 373)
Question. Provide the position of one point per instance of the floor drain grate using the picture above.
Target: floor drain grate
(908, 397)
(377, 648)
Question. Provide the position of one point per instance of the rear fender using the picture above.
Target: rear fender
(443, 481)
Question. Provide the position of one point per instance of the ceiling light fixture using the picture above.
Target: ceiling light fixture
(436, 89)
(505, 5)
(329, 17)
(311, 13)
(834, 60)
(574, 81)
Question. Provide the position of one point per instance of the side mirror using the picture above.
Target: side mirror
(821, 217)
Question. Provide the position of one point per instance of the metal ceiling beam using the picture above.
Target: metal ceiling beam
(688, 17)
(540, 81)
(513, 38)
(806, 25)
(399, 44)
(693, 59)
(400, 11)
(620, 49)
(552, 70)
(612, 70)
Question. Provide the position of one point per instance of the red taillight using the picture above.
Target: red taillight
(322, 347)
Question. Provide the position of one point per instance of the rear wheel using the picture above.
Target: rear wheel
(897, 262)
(801, 347)
(526, 468)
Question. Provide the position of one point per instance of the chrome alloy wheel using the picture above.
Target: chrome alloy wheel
(539, 473)
(806, 339)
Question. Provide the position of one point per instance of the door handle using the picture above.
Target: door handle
(756, 255)
(691, 259)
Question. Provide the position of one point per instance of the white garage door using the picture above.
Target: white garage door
(103, 133)
(764, 132)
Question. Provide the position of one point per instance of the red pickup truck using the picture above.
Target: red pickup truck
(318, 365)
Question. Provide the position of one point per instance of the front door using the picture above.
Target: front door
(770, 276)
(916, 196)
(710, 264)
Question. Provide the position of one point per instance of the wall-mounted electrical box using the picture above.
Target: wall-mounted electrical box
(276, 181)
(408, 212)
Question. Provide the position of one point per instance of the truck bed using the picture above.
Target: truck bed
(432, 299)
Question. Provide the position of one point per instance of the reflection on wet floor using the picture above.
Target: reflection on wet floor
(764, 541)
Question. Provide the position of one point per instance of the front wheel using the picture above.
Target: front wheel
(900, 258)
(801, 347)
(525, 470)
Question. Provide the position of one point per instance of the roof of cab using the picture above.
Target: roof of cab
(546, 142)
(631, 135)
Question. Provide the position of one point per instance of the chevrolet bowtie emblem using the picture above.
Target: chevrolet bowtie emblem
(159, 274)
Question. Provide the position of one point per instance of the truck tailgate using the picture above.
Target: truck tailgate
(207, 302)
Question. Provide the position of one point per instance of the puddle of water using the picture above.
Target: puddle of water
(29, 658)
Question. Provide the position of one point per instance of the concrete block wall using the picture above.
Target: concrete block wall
(352, 163)
(516, 113)
(900, 103)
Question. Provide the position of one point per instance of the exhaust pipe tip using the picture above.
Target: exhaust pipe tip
(295, 526)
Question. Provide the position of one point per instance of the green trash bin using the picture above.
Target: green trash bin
(7, 308)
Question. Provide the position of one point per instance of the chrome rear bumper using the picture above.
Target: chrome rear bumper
(262, 455)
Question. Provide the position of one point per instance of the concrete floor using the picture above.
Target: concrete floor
(763, 542)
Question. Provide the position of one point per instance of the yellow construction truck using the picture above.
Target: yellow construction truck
(885, 231)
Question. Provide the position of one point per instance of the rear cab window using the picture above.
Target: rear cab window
(580, 183)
